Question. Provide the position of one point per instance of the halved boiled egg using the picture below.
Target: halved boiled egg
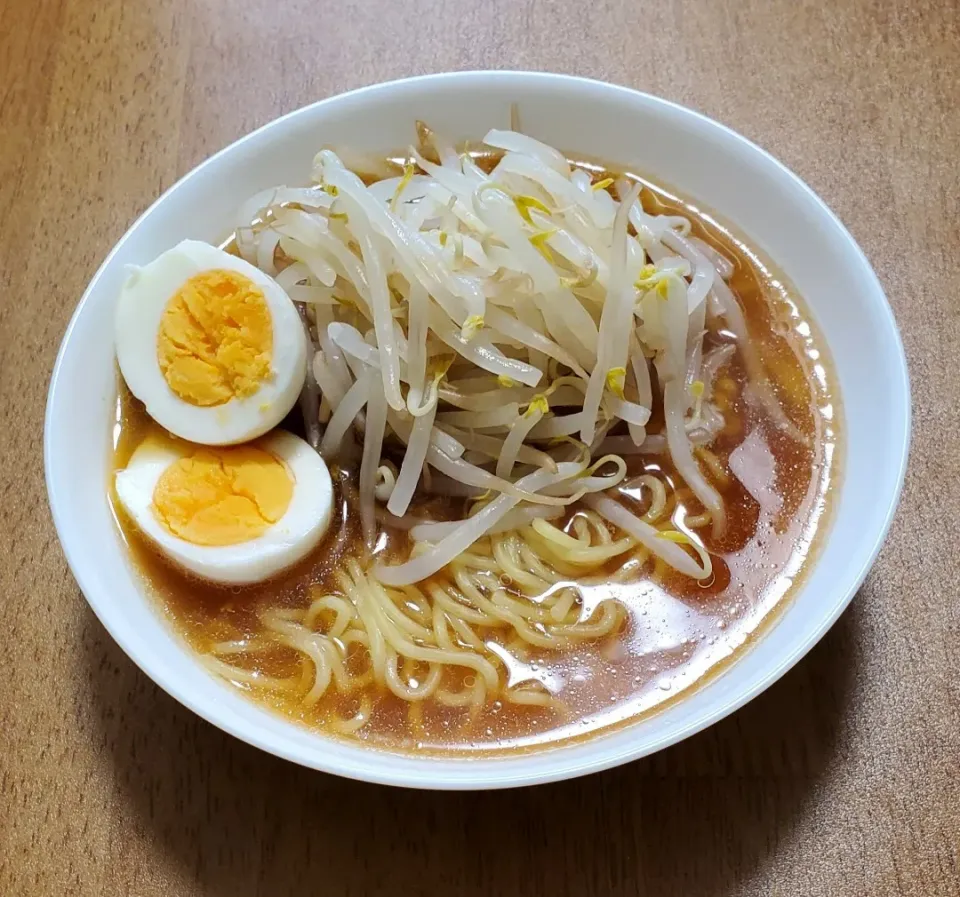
(229, 514)
(211, 345)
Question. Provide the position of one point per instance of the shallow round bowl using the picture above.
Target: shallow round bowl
(749, 189)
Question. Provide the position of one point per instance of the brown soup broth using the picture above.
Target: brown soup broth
(679, 632)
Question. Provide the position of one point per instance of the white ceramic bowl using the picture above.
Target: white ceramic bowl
(705, 160)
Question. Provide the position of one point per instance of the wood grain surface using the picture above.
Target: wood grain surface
(843, 779)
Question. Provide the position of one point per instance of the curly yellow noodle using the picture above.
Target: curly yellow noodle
(343, 613)
(402, 645)
(563, 605)
(339, 652)
(417, 604)
(714, 465)
(405, 690)
(459, 609)
(355, 723)
(239, 646)
(377, 644)
(532, 697)
(251, 678)
(387, 606)
(566, 549)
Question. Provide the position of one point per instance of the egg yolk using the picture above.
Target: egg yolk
(223, 496)
(215, 339)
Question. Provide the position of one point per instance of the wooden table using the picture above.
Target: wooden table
(843, 779)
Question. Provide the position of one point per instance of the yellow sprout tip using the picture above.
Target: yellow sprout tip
(602, 185)
(696, 388)
(542, 236)
(539, 242)
(538, 403)
(525, 203)
(505, 381)
(647, 274)
(408, 170)
(471, 327)
(615, 380)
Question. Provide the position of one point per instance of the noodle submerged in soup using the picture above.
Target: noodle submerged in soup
(624, 556)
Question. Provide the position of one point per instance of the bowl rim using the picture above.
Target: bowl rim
(374, 764)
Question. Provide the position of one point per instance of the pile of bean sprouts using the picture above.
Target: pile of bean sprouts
(503, 337)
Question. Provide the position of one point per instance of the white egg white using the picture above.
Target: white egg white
(142, 302)
(287, 541)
